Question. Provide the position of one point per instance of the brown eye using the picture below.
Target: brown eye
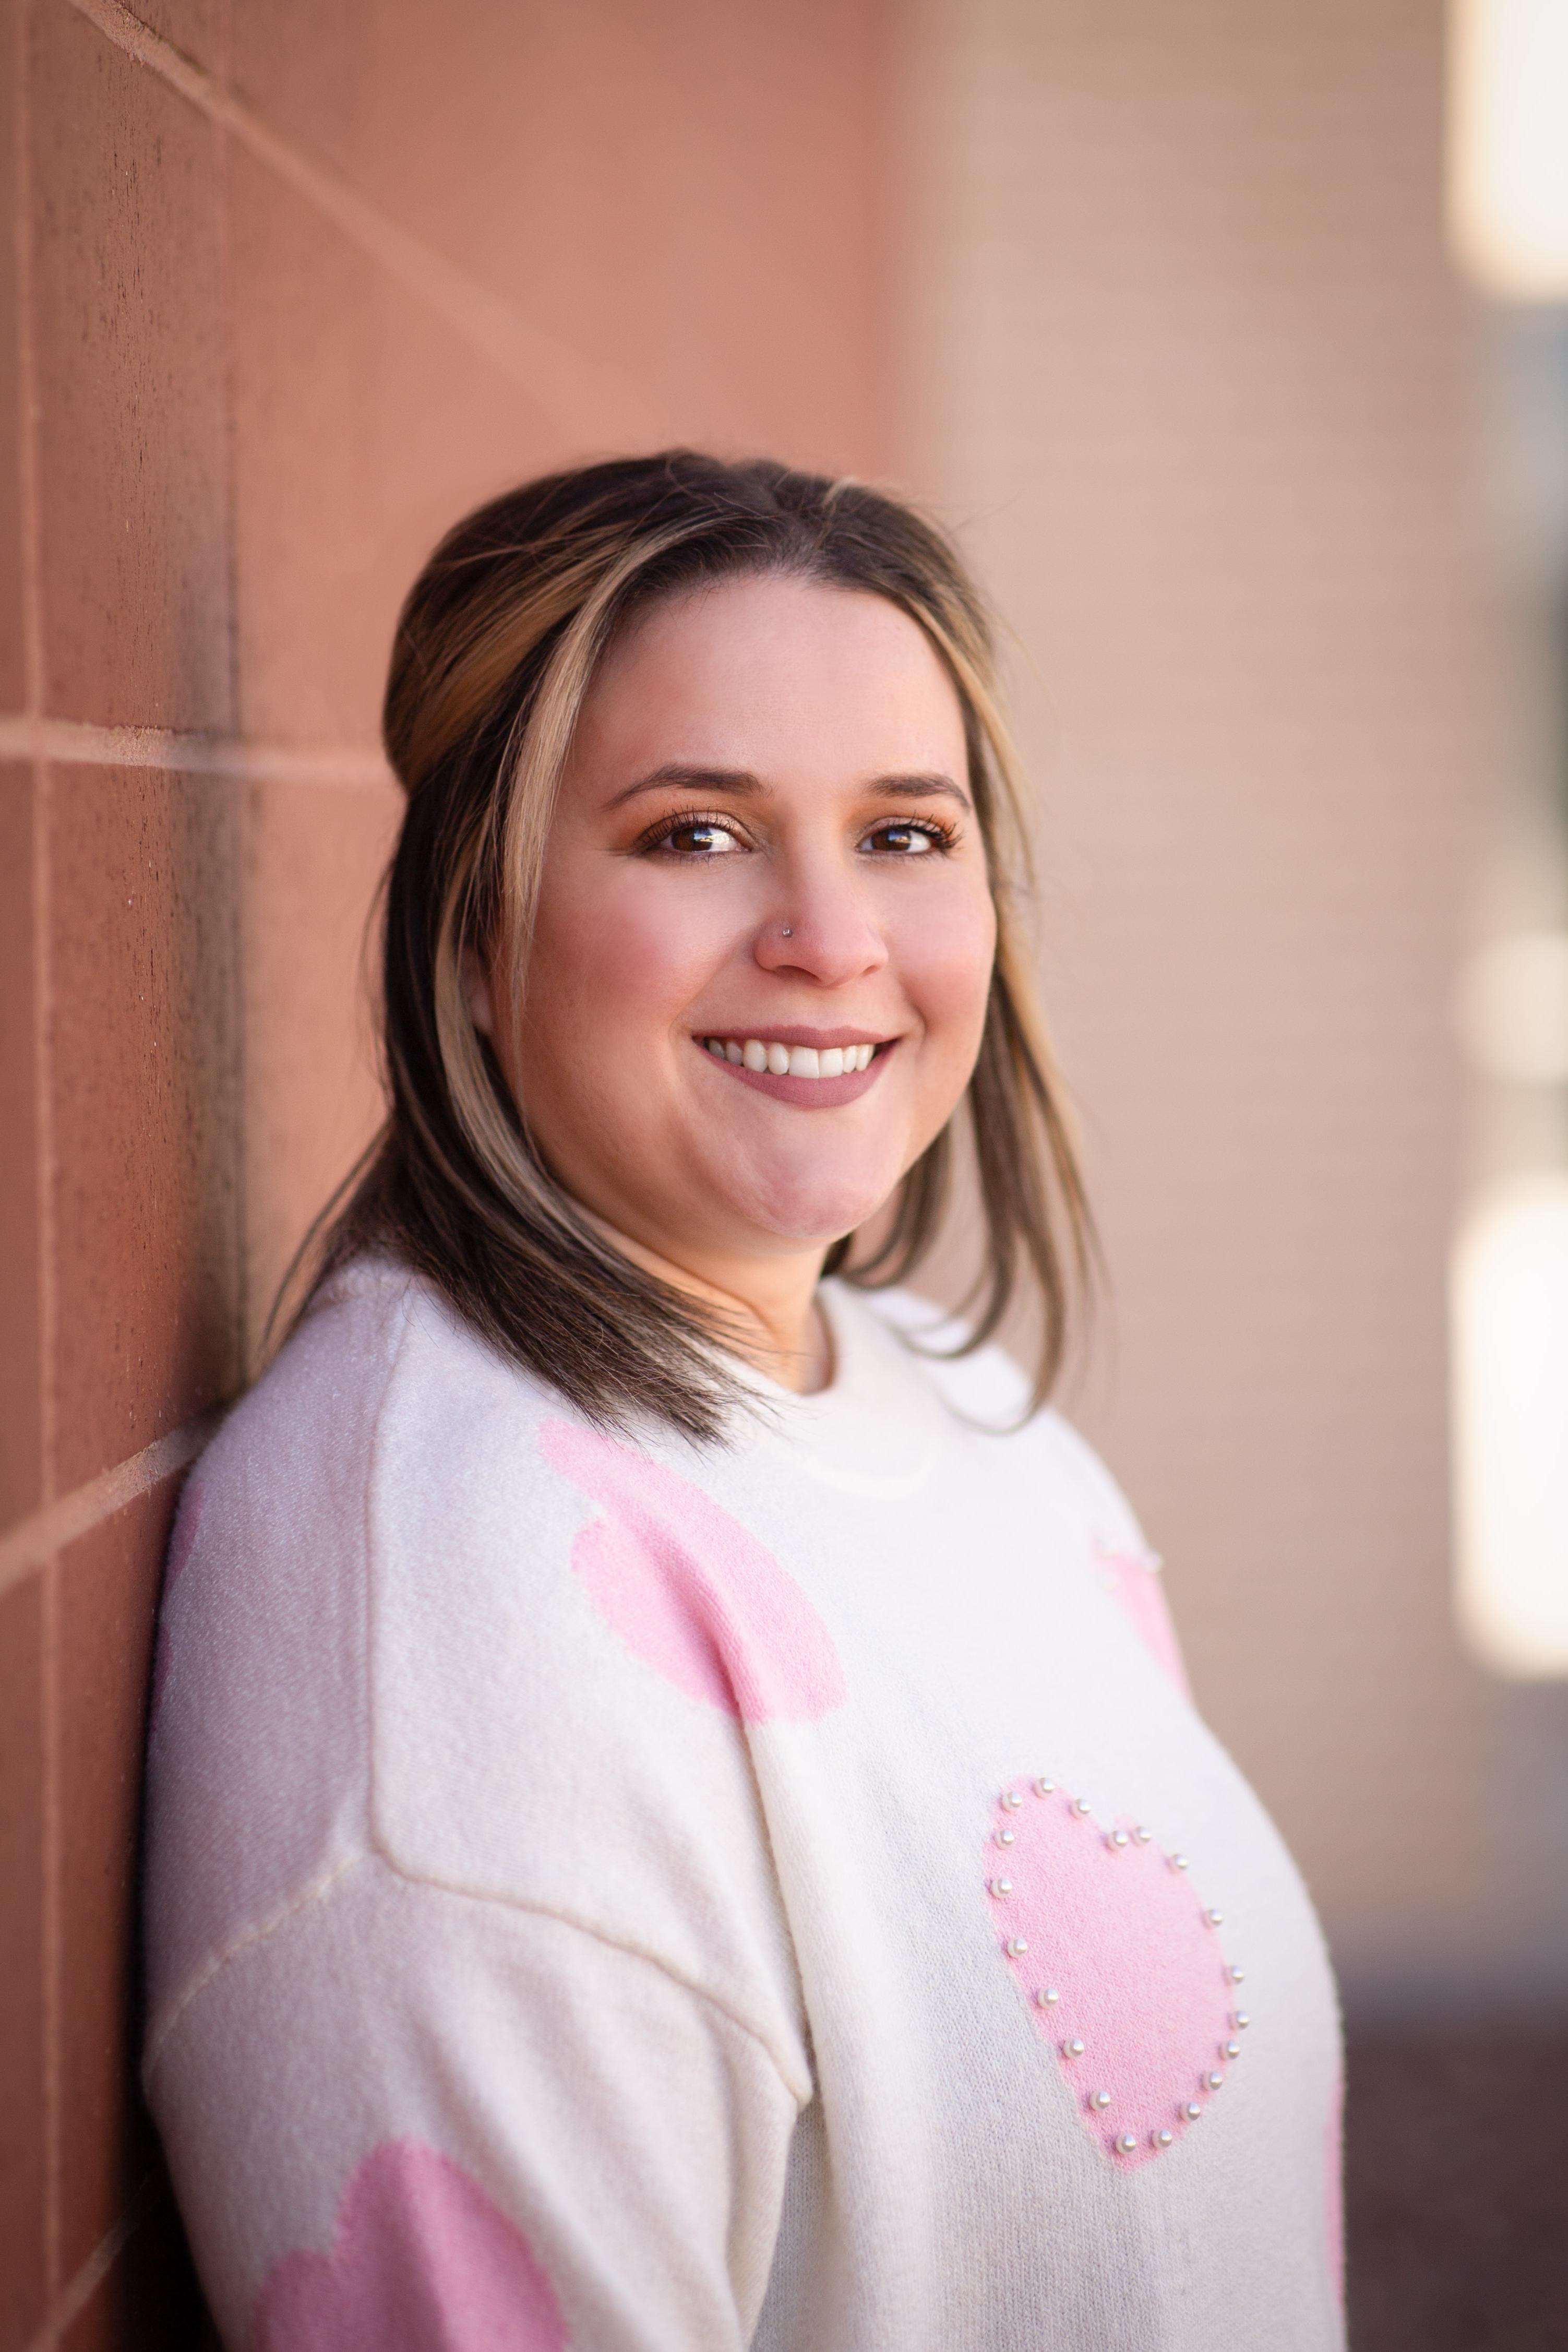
(906, 840)
(698, 840)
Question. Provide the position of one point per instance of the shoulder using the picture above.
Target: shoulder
(418, 1609)
(368, 1451)
(986, 1389)
(383, 1383)
(1053, 1471)
(389, 1461)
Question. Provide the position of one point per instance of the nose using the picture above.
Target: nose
(820, 927)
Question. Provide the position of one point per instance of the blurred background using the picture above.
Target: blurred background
(1233, 342)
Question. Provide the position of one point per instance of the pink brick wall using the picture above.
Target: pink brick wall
(292, 287)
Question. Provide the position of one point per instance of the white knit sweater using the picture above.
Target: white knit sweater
(646, 1898)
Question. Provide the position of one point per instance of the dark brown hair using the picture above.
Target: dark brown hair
(496, 646)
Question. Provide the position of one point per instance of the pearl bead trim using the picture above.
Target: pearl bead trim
(1073, 2047)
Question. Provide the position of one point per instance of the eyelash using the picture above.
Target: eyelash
(684, 821)
(941, 836)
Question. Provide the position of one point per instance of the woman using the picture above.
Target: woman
(676, 1821)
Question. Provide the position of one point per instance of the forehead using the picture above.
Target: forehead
(773, 674)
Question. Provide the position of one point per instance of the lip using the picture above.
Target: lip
(804, 1094)
(821, 1038)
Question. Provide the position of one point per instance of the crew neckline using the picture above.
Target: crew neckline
(879, 1427)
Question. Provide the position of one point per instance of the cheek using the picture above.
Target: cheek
(616, 956)
(943, 952)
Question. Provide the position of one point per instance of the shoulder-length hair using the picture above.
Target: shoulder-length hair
(495, 649)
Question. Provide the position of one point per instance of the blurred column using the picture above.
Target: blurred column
(1508, 216)
(1188, 364)
(1508, 183)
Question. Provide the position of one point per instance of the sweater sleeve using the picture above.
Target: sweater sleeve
(474, 2022)
(424, 2121)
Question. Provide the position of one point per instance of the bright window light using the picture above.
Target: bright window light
(1508, 145)
(1510, 1306)
(1513, 1009)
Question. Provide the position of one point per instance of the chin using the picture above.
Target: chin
(805, 1208)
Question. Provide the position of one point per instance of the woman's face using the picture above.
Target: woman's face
(765, 932)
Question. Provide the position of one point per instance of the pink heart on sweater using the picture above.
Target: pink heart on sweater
(422, 2260)
(1120, 1962)
(690, 1589)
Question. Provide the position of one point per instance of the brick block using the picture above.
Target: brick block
(146, 1105)
(130, 342)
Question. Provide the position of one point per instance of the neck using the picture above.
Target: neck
(767, 1304)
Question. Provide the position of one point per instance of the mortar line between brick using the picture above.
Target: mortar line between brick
(39, 1538)
(74, 742)
(589, 402)
(241, 799)
(75, 2296)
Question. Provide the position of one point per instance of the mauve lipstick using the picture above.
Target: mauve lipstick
(804, 1094)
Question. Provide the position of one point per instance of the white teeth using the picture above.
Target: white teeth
(792, 1061)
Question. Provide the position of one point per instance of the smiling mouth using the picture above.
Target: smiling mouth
(761, 1054)
(808, 1077)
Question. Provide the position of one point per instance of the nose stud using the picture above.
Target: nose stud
(789, 933)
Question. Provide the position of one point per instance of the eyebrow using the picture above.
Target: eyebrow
(739, 782)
